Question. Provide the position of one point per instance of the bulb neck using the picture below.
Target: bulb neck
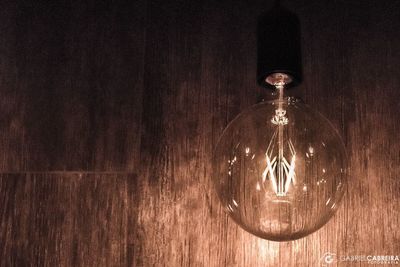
(278, 79)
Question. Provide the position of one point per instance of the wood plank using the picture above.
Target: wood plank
(63, 219)
(72, 85)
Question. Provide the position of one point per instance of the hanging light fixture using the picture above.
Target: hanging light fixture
(280, 167)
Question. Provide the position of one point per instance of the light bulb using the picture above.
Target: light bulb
(280, 169)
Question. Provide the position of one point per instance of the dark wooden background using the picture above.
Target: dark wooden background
(109, 112)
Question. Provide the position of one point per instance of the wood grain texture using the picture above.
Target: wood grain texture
(63, 219)
(72, 78)
(110, 111)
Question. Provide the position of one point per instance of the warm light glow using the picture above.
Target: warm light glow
(281, 184)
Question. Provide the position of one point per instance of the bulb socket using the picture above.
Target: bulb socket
(278, 48)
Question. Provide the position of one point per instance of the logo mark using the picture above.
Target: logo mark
(328, 258)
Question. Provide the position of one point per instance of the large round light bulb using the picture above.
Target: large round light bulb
(280, 169)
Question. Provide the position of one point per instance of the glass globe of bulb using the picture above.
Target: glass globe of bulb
(280, 169)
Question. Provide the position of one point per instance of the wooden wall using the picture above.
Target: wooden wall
(109, 112)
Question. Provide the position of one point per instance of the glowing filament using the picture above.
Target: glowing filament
(280, 180)
(279, 170)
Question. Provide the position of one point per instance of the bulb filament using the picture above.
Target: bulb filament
(279, 170)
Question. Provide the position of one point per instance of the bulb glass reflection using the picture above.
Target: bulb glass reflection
(280, 169)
